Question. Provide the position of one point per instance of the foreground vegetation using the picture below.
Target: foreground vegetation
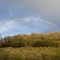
(31, 47)
(30, 53)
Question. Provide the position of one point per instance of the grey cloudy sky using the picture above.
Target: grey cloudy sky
(42, 16)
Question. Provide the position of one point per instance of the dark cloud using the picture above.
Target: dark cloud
(48, 9)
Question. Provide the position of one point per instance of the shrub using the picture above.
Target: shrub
(18, 44)
(45, 44)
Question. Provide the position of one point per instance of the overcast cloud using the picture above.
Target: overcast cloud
(27, 16)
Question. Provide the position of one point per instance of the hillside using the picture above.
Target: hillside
(33, 40)
(31, 47)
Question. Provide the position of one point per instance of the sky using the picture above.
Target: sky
(28, 16)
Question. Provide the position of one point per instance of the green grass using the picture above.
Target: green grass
(30, 53)
(31, 47)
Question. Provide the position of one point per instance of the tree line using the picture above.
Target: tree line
(31, 40)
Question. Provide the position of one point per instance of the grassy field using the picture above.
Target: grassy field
(30, 53)
(31, 47)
